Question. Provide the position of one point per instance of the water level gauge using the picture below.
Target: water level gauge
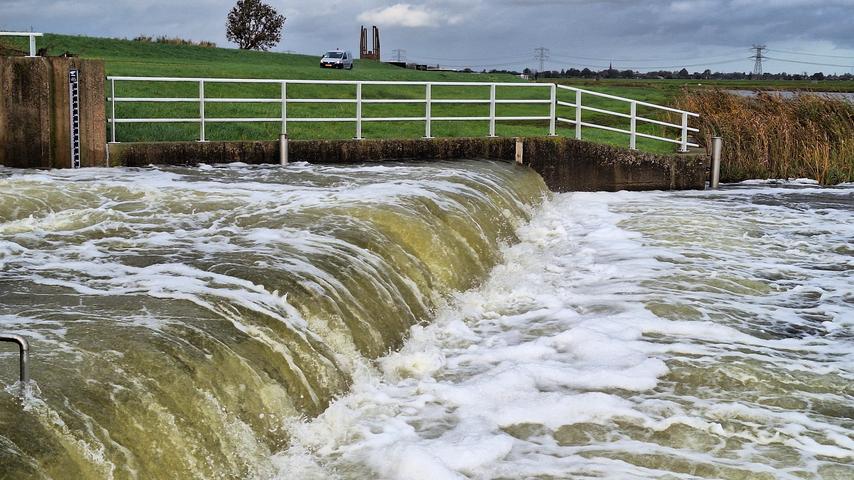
(74, 107)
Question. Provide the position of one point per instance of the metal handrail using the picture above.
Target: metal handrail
(32, 36)
(632, 116)
(427, 100)
(24, 347)
(358, 119)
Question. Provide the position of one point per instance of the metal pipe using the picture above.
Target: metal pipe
(492, 110)
(717, 146)
(633, 137)
(358, 110)
(553, 110)
(201, 110)
(113, 101)
(684, 147)
(428, 110)
(578, 114)
(32, 45)
(284, 108)
(283, 149)
(24, 348)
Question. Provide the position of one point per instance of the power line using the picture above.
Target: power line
(758, 58)
(793, 52)
(542, 54)
(808, 63)
(728, 55)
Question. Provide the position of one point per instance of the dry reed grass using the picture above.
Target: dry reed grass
(769, 136)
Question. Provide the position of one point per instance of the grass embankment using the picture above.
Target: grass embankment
(129, 58)
(771, 137)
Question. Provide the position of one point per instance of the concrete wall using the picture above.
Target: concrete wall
(35, 115)
(565, 164)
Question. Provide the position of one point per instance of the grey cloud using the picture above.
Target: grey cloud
(505, 31)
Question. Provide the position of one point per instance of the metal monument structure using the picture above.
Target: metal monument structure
(374, 53)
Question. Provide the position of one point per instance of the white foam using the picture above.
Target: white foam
(564, 335)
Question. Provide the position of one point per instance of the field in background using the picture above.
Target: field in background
(129, 58)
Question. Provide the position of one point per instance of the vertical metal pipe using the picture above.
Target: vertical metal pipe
(284, 108)
(32, 45)
(578, 115)
(113, 105)
(201, 110)
(283, 149)
(428, 110)
(634, 126)
(717, 146)
(492, 110)
(683, 147)
(553, 110)
(358, 110)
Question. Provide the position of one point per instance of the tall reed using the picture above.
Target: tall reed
(769, 136)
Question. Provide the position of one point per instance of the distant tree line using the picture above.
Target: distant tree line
(683, 74)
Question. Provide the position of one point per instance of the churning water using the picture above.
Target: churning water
(423, 321)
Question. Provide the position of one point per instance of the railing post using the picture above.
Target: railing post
(113, 107)
(32, 46)
(634, 126)
(578, 115)
(492, 110)
(358, 110)
(201, 110)
(684, 146)
(283, 149)
(428, 111)
(553, 110)
(284, 108)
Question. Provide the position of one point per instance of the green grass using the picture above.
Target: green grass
(128, 58)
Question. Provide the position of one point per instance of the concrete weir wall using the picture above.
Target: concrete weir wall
(35, 130)
(565, 164)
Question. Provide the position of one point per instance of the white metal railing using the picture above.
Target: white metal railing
(633, 117)
(428, 101)
(32, 36)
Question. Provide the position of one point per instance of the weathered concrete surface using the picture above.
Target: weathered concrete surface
(25, 113)
(35, 115)
(565, 164)
(569, 165)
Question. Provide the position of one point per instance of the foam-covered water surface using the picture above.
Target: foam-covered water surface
(179, 317)
(627, 335)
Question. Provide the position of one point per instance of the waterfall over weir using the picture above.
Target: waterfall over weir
(427, 321)
(179, 317)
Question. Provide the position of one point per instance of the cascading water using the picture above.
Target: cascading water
(428, 321)
(179, 317)
(679, 335)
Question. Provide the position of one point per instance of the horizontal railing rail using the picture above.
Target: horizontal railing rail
(428, 101)
(32, 36)
(632, 116)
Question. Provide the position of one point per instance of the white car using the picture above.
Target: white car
(337, 59)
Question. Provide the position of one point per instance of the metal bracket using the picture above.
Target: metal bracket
(24, 347)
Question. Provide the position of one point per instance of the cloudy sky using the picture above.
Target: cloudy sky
(801, 35)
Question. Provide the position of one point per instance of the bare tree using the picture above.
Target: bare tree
(254, 25)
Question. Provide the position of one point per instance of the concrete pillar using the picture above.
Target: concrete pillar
(35, 119)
